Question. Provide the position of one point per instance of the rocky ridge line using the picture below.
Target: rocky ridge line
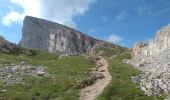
(153, 60)
(55, 38)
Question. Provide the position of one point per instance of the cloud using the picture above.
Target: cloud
(121, 15)
(12, 17)
(144, 11)
(114, 39)
(161, 12)
(141, 10)
(61, 11)
(92, 30)
(104, 18)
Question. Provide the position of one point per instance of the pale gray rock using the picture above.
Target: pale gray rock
(154, 61)
(53, 37)
(14, 74)
(7, 47)
(160, 43)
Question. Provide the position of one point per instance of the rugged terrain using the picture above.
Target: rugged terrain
(54, 37)
(7, 47)
(46, 76)
(154, 60)
(104, 78)
(61, 63)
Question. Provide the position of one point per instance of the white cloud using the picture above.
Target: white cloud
(104, 18)
(12, 17)
(121, 16)
(114, 39)
(144, 11)
(61, 11)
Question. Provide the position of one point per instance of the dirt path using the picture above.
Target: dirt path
(91, 92)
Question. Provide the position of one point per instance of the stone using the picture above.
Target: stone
(137, 48)
(160, 43)
(135, 79)
(99, 76)
(40, 73)
(4, 90)
(153, 60)
(102, 70)
(56, 38)
(7, 47)
(13, 74)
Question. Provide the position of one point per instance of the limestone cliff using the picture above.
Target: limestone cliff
(138, 48)
(160, 43)
(11, 48)
(53, 37)
(154, 61)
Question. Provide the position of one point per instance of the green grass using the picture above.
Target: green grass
(69, 74)
(62, 86)
(121, 87)
(108, 51)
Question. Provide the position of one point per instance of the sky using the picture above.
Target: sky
(122, 22)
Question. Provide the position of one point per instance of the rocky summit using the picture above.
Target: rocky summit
(54, 37)
(154, 60)
(7, 47)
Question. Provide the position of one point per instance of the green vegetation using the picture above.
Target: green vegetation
(108, 51)
(69, 74)
(121, 87)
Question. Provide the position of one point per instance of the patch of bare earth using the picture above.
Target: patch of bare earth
(92, 91)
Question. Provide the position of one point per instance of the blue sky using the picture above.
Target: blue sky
(122, 22)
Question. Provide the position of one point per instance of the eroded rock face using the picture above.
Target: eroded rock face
(154, 61)
(138, 48)
(7, 47)
(160, 43)
(53, 37)
(15, 73)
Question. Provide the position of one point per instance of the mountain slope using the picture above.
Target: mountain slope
(54, 37)
(11, 48)
(153, 59)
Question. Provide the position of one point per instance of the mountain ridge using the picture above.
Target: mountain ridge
(153, 60)
(56, 38)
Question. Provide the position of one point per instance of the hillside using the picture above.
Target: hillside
(69, 65)
(153, 60)
(46, 76)
(55, 38)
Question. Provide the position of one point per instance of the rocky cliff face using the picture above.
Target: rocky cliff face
(7, 47)
(138, 48)
(53, 37)
(154, 61)
(160, 43)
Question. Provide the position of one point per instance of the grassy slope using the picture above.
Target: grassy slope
(59, 87)
(121, 87)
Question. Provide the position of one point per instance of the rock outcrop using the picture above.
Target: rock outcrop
(160, 43)
(154, 61)
(53, 37)
(7, 47)
(138, 48)
(14, 73)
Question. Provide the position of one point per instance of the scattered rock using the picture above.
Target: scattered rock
(102, 70)
(4, 90)
(99, 76)
(7, 47)
(40, 73)
(13, 74)
(135, 79)
(153, 61)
